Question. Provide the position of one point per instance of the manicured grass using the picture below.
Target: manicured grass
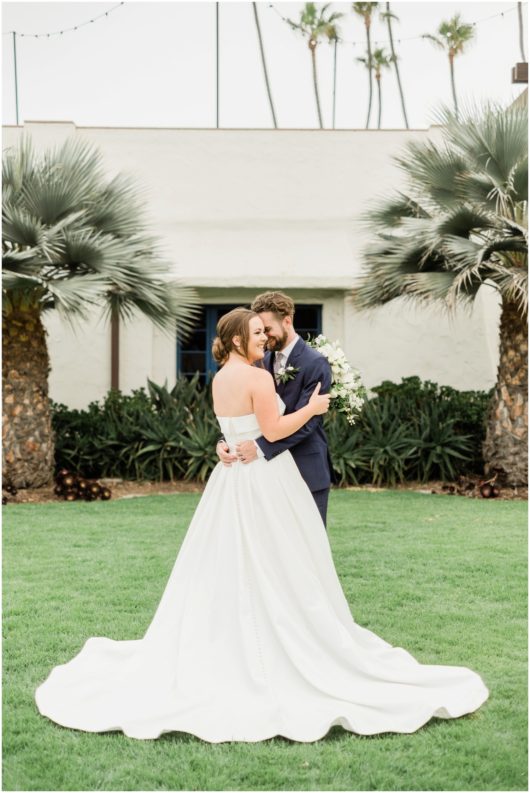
(444, 577)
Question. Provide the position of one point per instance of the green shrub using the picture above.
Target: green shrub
(350, 460)
(439, 446)
(470, 412)
(411, 430)
(153, 434)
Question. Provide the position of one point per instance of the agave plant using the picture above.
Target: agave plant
(198, 441)
(72, 239)
(387, 441)
(441, 450)
(461, 223)
(349, 457)
(161, 447)
(314, 25)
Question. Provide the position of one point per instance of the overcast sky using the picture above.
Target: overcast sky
(153, 64)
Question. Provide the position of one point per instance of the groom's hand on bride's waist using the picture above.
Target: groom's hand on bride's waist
(247, 451)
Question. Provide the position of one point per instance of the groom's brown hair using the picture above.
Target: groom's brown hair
(277, 302)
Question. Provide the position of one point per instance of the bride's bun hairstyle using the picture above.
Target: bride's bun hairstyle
(277, 302)
(235, 323)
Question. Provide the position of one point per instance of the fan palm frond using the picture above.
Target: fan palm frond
(390, 211)
(434, 168)
(463, 214)
(77, 237)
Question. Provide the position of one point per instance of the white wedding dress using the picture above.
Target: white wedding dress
(253, 636)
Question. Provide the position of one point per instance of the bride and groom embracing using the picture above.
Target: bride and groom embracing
(253, 636)
(297, 370)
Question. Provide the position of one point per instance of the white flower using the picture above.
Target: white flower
(286, 373)
(347, 391)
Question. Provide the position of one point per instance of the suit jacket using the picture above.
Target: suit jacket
(309, 445)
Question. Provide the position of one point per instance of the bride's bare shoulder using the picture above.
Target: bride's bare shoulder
(258, 373)
(248, 374)
(261, 378)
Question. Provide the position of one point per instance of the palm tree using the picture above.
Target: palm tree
(388, 16)
(452, 36)
(521, 30)
(313, 25)
(378, 62)
(365, 10)
(72, 239)
(334, 39)
(264, 64)
(463, 223)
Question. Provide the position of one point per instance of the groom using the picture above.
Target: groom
(285, 348)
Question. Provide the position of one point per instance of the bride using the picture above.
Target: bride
(253, 636)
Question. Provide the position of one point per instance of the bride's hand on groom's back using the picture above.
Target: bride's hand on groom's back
(224, 455)
(319, 402)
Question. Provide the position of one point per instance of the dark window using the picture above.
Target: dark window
(308, 321)
(195, 354)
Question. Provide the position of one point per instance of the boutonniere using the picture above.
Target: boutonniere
(286, 373)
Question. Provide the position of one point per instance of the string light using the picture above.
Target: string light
(66, 30)
(410, 38)
(271, 5)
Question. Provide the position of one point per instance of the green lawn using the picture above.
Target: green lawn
(444, 577)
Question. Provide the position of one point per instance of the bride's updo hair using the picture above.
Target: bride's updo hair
(235, 323)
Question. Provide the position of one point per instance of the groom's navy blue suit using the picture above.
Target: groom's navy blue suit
(308, 445)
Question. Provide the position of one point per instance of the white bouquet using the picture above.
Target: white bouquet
(347, 391)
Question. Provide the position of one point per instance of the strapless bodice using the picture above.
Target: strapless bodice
(243, 428)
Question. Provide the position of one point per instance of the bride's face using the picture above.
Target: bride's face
(256, 340)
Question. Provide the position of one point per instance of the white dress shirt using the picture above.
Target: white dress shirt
(287, 351)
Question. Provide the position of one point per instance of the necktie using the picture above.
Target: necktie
(278, 363)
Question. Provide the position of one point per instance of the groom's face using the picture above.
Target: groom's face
(276, 330)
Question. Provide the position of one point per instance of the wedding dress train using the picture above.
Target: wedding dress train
(253, 636)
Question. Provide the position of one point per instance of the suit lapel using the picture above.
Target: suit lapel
(269, 362)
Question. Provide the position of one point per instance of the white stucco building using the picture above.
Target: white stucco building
(242, 211)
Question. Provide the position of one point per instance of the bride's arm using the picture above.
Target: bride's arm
(265, 406)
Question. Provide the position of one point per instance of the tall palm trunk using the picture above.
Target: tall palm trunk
(335, 42)
(315, 82)
(378, 81)
(521, 30)
(27, 432)
(396, 67)
(264, 65)
(506, 444)
(453, 86)
(370, 80)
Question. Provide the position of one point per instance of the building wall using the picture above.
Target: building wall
(241, 211)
